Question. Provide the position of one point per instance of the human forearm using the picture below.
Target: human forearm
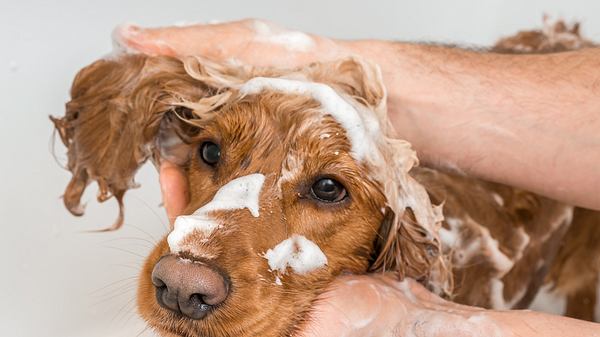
(531, 121)
(531, 323)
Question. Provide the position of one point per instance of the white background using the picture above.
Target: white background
(56, 280)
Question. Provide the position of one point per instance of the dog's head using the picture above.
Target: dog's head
(293, 178)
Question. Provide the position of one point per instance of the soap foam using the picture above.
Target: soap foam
(298, 253)
(332, 103)
(239, 193)
(289, 39)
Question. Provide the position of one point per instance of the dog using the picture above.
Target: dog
(295, 178)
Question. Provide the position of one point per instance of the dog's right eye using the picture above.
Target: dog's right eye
(328, 190)
(210, 153)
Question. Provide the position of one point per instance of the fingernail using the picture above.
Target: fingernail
(125, 37)
(128, 29)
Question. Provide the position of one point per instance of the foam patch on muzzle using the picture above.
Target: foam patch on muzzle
(298, 253)
(239, 193)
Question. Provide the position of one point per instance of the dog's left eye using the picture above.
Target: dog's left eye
(210, 153)
(328, 190)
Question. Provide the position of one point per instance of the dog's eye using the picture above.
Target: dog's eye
(328, 190)
(210, 153)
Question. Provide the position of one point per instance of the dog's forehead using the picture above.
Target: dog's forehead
(358, 127)
(273, 125)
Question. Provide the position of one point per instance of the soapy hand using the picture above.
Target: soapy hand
(251, 42)
(380, 305)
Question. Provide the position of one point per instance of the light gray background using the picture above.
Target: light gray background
(56, 280)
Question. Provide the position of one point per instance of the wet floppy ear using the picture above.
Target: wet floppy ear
(358, 78)
(404, 246)
(121, 113)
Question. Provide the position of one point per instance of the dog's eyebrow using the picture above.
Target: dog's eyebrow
(360, 128)
(239, 193)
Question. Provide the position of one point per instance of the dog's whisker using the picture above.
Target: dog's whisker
(132, 241)
(132, 312)
(110, 292)
(126, 251)
(133, 238)
(120, 289)
(126, 309)
(143, 331)
(139, 229)
(122, 265)
(164, 225)
(114, 283)
(124, 291)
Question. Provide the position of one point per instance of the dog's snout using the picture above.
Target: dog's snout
(188, 287)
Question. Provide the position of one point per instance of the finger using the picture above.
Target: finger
(132, 39)
(173, 185)
(197, 39)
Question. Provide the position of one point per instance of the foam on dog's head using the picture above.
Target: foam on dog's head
(359, 128)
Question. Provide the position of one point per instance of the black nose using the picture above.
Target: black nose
(188, 287)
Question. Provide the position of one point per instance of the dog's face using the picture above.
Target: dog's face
(312, 188)
(287, 190)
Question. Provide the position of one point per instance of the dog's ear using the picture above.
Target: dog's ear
(403, 246)
(122, 112)
(358, 78)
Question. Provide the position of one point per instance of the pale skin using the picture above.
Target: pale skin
(527, 121)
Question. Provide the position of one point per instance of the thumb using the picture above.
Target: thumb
(174, 189)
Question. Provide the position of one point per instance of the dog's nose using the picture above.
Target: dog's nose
(188, 287)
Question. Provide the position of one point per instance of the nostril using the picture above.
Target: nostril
(158, 283)
(198, 307)
(196, 301)
(167, 299)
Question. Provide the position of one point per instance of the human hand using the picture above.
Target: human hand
(380, 305)
(251, 42)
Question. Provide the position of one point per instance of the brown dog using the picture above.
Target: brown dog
(294, 179)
